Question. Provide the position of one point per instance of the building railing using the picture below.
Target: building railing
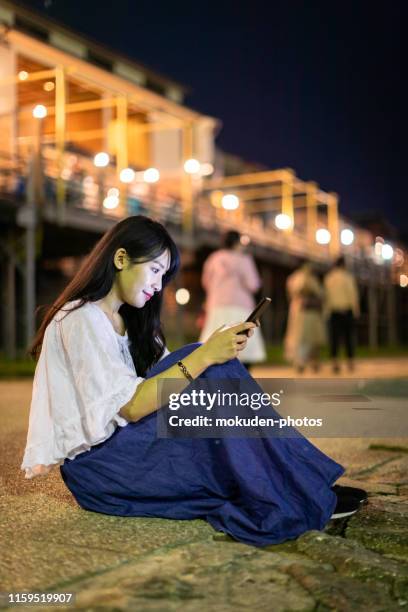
(99, 192)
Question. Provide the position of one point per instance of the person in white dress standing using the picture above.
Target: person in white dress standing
(230, 279)
(305, 332)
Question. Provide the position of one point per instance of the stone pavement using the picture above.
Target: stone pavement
(111, 563)
(364, 368)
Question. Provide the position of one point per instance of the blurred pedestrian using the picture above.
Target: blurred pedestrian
(76, 174)
(230, 279)
(305, 333)
(342, 308)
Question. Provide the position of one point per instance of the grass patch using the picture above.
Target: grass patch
(275, 353)
(24, 368)
(394, 449)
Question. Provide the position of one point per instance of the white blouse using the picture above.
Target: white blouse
(84, 375)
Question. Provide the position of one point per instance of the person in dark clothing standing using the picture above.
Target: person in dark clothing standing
(342, 305)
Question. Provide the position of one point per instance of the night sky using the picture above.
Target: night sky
(315, 86)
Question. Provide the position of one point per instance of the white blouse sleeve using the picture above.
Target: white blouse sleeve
(103, 381)
(82, 381)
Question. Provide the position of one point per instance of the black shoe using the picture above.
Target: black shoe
(354, 492)
(346, 506)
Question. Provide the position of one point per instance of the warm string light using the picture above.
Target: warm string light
(323, 236)
(347, 237)
(387, 251)
(127, 175)
(39, 111)
(283, 222)
(111, 202)
(101, 160)
(230, 201)
(182, 296)
(206, 169)
(151, 175)
(192, 166)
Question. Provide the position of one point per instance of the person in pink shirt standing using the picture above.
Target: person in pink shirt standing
(230, 279)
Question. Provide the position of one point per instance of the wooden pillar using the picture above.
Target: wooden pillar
(311, 212)
(391, 311)
(9, 300)
(29, 219)
(122, 159)
(187, 187)
(107, 118)
(29, 276)
(8, 99)
(333, 224)
(60, 129)
(287, 196)
(180, 318)
(372, 312)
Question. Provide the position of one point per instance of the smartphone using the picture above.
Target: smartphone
(258, 312)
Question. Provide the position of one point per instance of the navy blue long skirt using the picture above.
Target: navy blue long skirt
(258, 490)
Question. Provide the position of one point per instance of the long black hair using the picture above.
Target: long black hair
(144, 240)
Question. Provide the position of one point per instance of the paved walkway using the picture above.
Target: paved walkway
(396, 367)
(114, 563)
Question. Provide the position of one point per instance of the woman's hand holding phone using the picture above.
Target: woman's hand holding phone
(226, 343)
(259, 310)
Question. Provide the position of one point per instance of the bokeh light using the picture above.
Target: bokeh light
(111, 202)
(113, 191)
(101, 160)
(127, 175)
(151, 175)
(230, 202)
(39, 111)
(323, 236)
(182, 296)
(387, 251)
(206, 169)
(347, 237)
(283, 222)
(192, 166)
